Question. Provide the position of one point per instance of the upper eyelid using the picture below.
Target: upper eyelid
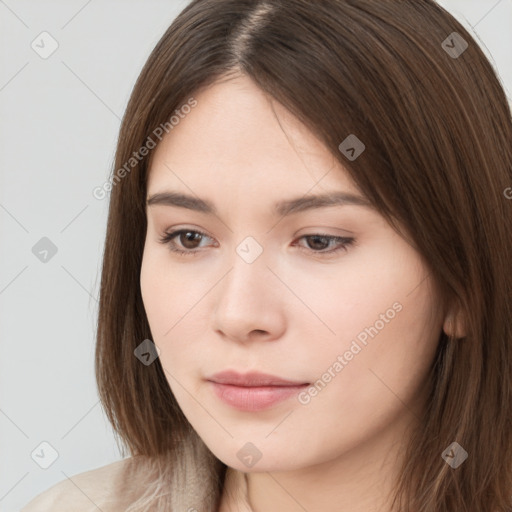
(345, 233)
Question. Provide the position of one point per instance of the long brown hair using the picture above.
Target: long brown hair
(437, 128)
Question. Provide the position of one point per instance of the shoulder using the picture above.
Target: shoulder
(106, 488)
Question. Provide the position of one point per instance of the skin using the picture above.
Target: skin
(291, 312)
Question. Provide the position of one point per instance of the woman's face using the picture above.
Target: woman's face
(270, 288)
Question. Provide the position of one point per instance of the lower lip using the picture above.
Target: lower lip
(254, 398)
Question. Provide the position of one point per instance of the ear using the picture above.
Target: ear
(454, 325)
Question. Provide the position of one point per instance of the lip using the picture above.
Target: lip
(251, 379)
(253, 391)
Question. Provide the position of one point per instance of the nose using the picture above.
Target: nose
(250, 303)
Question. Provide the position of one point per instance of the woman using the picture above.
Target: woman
(306, 287)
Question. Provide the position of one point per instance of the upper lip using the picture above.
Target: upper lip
(251, 379)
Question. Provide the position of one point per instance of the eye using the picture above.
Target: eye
(190, 238)
(321, 241)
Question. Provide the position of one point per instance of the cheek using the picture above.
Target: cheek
(174, 308)
(160, 294)
(162, 288)
(360, 388)
(351, 295)
(379, 316)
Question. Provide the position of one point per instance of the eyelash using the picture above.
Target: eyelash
(167, 239)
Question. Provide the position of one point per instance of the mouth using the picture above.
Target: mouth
(253, 391)
(252, 379)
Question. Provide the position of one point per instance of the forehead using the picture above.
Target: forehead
(237, 138)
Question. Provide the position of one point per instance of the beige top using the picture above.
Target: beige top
(108, 489)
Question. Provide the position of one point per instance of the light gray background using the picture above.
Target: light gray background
(59, 122)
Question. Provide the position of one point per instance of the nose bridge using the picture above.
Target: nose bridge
(246, 299)
(248, 272)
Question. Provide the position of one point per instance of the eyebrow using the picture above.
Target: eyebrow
(282, 208)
